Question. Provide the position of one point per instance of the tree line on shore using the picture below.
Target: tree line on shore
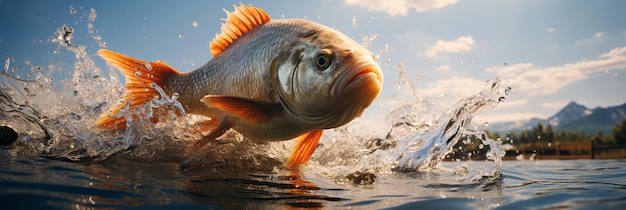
(547, 134)
(542, 139)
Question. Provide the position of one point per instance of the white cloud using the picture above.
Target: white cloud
(507, 104)
(461, 44)
(443, 68)
(599, 35)
(451, 89)
(401, 7)
(532, 80)
(555, 104)
(508, 117)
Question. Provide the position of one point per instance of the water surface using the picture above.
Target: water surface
(120, 182)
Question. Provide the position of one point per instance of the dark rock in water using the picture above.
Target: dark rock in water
(7, 135)
(361, 178)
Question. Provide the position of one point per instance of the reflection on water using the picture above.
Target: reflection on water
(122, 182)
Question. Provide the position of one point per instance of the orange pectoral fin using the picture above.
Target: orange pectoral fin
(250, 110)
(304, 148)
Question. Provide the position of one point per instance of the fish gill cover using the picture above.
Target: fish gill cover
(55, 119)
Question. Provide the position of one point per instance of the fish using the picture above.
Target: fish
(268, 79)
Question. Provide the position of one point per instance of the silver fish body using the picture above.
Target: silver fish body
(273, 63)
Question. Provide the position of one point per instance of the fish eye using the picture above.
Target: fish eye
(323, 59)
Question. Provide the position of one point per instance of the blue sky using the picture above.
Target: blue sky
(549, 52)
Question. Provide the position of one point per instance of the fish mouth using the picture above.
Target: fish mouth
(361, 76)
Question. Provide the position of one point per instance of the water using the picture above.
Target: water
(122, 182)
(52, 155)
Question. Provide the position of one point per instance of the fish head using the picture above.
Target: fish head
(327, 79)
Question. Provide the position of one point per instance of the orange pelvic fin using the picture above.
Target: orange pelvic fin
(140, 75)
(239, 22)
(250, 110)
(216, 131)
(304, 148)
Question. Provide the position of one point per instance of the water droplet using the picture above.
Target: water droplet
(425, 60)
(549, 144)
(152, 85)
(138, 74)
(538, 137)
(501, 99)
(174, 96)
(461, 61)
(148, 66)
(507, 91)
(14, 69)
(181, 36)
(388, 60)
(486, 123)
(354, 23)
(194, 24)
(92, 15)
(36, 68)
(72, 10)
(505, 63)
(7, 63)
(481, 146)
(75, 93)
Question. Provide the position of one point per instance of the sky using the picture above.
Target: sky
(548, 52)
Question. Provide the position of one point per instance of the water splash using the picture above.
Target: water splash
(421, 132)
(57, 119)
(414, 155)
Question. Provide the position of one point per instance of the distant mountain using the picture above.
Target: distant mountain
(572, 117)
(600, 119)
(571, 112)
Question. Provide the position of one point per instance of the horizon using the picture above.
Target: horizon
(550, 53)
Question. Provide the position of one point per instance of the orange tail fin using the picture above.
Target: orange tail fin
(140, 75)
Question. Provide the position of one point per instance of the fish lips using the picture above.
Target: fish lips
(359, 77)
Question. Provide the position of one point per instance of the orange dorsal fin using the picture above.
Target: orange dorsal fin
(239, 22)
(140, 75)
(304, 148)
(249, 110)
